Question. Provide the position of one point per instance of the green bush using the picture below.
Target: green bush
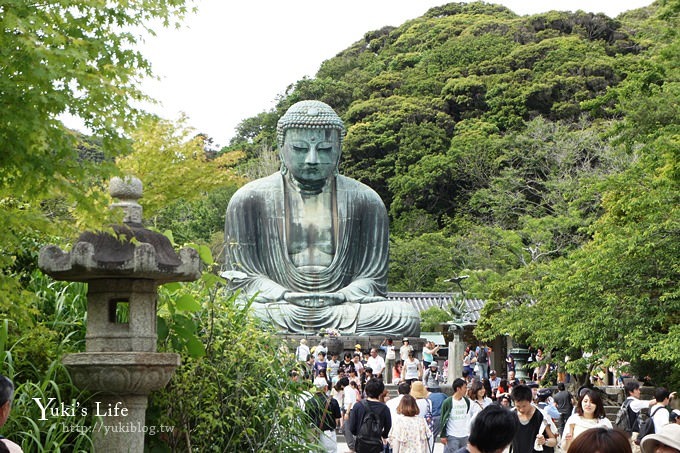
(237, 395)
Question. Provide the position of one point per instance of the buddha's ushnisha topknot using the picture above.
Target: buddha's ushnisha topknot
(308, 115)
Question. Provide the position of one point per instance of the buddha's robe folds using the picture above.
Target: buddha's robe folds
(257, 254)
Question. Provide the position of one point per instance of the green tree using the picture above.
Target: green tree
(67, 57)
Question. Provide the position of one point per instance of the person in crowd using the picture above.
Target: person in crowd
(420, 393)
(302, 351)
(338, 393)
(353, 377)
(660, 414)
(398, 372)
(468, 357)
(320, 363)
(367, 376)
(309, 368)
(675, 416)
(534, 431)
(358, 366)
(324, 413)
(541, 369)
(455, 417)
(333, 366)
(405, 349)
(478, 399)
(503, 388)
(390, 357)
(364, 359)
(509, 364)
(322, 374)
(469, 377)
(346, 363)
(374, 388)
(634, 406)
(590, 413)
(492, 431)
(410, 433)
(546, 404)
(483, 353)
(505, 401)
(432, 377)
(601, 440)
(564, 402)
(494, 381)
(665, 441)
(404, 388)
(412, 369)
(6, 394)
(357, 349)
(376, 363)
(487, 386)
(429, 351)
(352, 395)
(512, 380)
(437, 398)
(321, 348)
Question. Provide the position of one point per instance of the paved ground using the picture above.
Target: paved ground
(342, 447)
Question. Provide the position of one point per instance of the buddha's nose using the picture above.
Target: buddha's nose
(312, 156)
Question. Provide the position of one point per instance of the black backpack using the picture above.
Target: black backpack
(483, 357)
(369, 437)
(624, 420)
(647, 426)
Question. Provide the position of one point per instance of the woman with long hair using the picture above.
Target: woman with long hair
(478, 398)
(410, 433)
(590, 413)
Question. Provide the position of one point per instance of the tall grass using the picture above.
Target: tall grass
(30, 355)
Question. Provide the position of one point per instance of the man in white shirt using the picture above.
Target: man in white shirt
(661, 416)
(494, 381)
(455, 418)
(404, 388)
(376, 363)
(635, 405)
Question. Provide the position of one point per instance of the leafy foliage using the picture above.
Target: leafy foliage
(232, 392)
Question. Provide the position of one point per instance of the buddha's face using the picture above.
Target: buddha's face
(311, 155)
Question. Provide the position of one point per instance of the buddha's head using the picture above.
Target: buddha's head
(310, 137)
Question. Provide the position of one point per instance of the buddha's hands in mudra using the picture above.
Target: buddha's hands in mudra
(314, 300)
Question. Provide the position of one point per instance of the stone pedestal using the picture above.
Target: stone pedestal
(456, 351)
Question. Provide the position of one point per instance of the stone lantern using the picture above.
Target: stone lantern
(123, 270)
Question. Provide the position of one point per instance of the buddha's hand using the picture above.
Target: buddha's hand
(371, 299)
(314, 300)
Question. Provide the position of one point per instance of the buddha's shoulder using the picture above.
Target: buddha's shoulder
(259, 187)
(345, 183)
(357, 187)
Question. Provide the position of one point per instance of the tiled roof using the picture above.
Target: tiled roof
(423, 301)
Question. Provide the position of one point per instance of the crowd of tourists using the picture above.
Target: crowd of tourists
(485, 413)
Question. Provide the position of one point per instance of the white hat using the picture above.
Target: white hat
(668, 435)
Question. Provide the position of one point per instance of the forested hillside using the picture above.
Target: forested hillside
(536, 154)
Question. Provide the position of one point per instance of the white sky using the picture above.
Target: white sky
(233, 57)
